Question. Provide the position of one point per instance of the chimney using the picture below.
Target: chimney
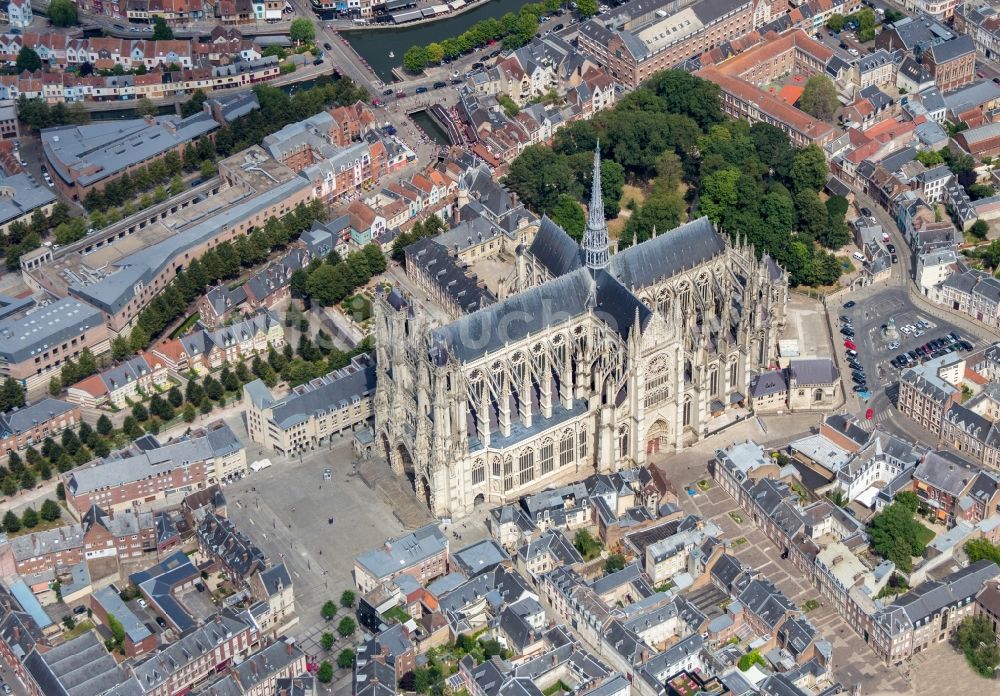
(288, 648)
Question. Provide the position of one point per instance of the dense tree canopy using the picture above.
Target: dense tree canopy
(978, 642)
(819, 98)
(62, 13)
(897, 536)
(671, 139)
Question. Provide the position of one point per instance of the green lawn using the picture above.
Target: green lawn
(396, 613)
(188, 323)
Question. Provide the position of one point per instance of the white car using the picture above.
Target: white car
(142, 602)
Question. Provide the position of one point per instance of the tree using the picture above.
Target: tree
(586, 8)
(50, 510)
(27, 479)
(416, 59)
(835, 22)
(161, 32)
(615, 562)
(587, 545)
(347, 598)
(809, 170)
(104, 426)
(30, 518)
(897, 536)
(325, 672)
(145, 107)
(175, 397)
(978, 642)
(329, 609)
(750, 659)
(929, 158)
(302, 31)
(345, 660)
(568, 214)
(11, 394)
(819, 98)
(189, 413)
(978, 549)
(28, 59)
(140, 413)
(979, 229)
(117, 631)
(208, 169)
(11, 522)
(327, 641)
(62, 13)
(346, 627)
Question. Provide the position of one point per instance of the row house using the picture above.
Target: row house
(634, 43)
(955, 488)
(928, 614)
(31, 424)
(125, 536)
(141, 375)
(927, 391)
(37, 552)
(116, 9)
(204, 351)
(348, 172)
(135, 478)
(982, 23)
(173, 12)
(198, 655)
(263, 290)
(67, 87)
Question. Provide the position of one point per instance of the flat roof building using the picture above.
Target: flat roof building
(92, 155)
(34, 345)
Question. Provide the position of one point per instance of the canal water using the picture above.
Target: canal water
(374, 45)
(430, 126)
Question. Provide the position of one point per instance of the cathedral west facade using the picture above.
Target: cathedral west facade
(593, 363)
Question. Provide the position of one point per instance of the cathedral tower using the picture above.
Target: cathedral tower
(595, 237)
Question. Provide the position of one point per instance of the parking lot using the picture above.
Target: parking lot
(868, 317)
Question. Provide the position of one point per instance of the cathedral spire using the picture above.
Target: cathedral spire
(595, 237)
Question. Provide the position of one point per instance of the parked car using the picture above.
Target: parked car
(387, 92)
(867, 212)
(420, 90)
(160, 622)
(440, 85)
(400, 94)
(850, 344)
(869, 414)
(80, 609)
(327, 46)
(859, 388)
(849, 304)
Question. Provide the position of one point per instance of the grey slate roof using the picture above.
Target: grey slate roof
(813, 371)
(21, 194)
(112, 292)
(108, 598)
(404, 552)
(335, 390)
(479, 557)
(27, 417)
(80, 667)
(106, 148)
(45, 328)
(768, 383)
(667, 254)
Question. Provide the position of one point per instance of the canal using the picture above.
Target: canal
(374, 45)
(430, 127)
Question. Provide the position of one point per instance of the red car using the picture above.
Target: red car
(849, 344)
(869, 414)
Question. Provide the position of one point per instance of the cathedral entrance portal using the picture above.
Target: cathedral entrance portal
(658, 435)
(423, 490)
(405, 463)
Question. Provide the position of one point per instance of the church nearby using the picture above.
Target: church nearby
(594, 362)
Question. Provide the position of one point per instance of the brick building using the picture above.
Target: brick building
(952, 63)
